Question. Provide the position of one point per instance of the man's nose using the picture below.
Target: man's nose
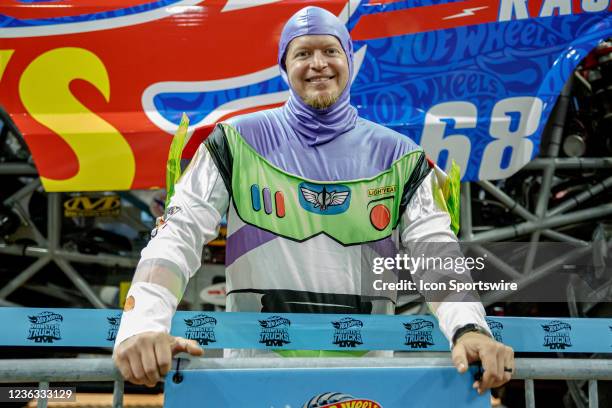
(318, 60)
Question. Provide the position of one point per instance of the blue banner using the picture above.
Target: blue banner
(320, 388)
(98, 328)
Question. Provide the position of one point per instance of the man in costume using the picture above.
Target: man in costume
(311, 190)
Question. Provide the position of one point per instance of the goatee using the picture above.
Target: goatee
(321, 101)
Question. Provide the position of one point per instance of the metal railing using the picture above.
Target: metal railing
(45, 371)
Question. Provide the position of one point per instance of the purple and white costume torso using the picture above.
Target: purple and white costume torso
(322, 145)
(260, 260)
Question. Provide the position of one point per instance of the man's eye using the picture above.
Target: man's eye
(333, 51)
(301, 54)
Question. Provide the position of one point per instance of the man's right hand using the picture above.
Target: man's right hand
(146, 358)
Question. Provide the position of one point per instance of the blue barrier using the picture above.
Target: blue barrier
(98, 328)
(331, 387)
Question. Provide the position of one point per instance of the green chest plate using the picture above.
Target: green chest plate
(351, 212)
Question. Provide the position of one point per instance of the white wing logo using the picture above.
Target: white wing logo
(324, 199)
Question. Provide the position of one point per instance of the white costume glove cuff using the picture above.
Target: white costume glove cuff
(153, 308)
(453, 315)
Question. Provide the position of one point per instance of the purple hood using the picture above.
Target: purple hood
(317, 126)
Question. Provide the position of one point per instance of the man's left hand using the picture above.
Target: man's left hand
(497, 359)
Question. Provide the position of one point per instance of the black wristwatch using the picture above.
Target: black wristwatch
(468, 328)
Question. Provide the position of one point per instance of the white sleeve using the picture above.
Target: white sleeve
(174, 253)
(192, 217)
(424, 222)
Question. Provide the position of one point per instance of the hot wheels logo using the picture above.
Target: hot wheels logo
(275, 331)
(346, 323)
(418, 333)
(419, 324)
(202, 329)
(45, 317)
(443, 94)
(275, 321)
(555, 326)
(340, 400)
(112, 36)
(43, 330)
(201, 320)
(496, 329)
(348, 332)
(557, 335)
(114, 322)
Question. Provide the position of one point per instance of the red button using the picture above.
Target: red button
(280, 204)
(380, 216)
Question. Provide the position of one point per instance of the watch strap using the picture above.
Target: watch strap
(468, 328)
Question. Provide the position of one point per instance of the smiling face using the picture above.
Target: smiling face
(317, 69)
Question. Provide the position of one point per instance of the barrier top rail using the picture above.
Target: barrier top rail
(103, 369)
(296, 331)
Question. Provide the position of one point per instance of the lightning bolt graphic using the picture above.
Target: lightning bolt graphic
(465, 13)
